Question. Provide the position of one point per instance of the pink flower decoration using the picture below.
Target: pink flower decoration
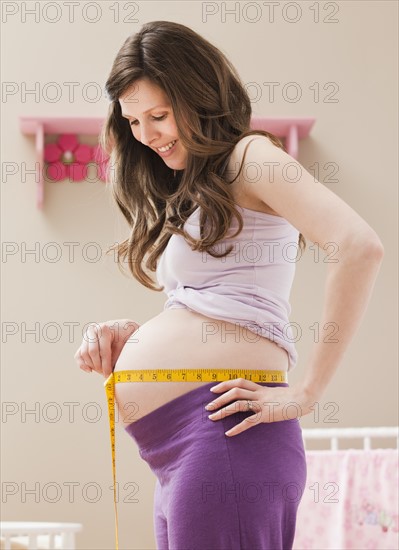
(67, 158)
(102, 160)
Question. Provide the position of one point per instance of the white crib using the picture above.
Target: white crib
(334, 434)
(37, 535)
(351, 498)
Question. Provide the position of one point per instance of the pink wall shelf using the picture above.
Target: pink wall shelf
(290, 129)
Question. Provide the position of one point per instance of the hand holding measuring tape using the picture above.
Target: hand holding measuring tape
(102, 344)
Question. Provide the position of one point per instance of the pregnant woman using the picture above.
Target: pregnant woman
(214, 215)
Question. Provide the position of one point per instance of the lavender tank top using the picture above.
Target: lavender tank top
(250, 286)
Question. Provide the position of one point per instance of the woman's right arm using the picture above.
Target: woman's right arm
(102, 344)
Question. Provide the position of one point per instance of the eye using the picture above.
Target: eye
(133, 123)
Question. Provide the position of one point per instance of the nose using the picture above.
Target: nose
(148, 134)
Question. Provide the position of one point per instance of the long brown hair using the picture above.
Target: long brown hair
(212, 112)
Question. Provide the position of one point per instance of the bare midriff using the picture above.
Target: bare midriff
(179, 338)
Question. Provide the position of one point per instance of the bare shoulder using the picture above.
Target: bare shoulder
(241, 192)
(272, 177)
(241, 145)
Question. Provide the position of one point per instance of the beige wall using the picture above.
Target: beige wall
(352, 61)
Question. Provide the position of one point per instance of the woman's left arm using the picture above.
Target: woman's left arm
(324, 218)
(349, 285)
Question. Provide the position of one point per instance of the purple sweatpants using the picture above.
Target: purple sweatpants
(215, 492)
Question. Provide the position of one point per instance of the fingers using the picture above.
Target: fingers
(236, 382)
(95, 351)
(90, 349)
(233, 408)
(106, 354)
(239, 395)
(86, 368)
(82, 365)
(101, 348)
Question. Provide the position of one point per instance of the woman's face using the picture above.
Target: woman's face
(152, 121)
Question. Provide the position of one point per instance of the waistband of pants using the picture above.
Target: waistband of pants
(185, 409)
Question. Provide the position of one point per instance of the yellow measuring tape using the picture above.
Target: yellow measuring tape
(174, 375)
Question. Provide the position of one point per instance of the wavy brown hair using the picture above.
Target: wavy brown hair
(212, 111)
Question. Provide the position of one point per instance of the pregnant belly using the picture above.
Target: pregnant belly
(180, 338)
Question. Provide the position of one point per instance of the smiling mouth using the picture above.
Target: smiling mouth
(167, 147)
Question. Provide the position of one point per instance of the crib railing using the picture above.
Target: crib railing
(350, 499)
(30, 535)
(366, 433)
